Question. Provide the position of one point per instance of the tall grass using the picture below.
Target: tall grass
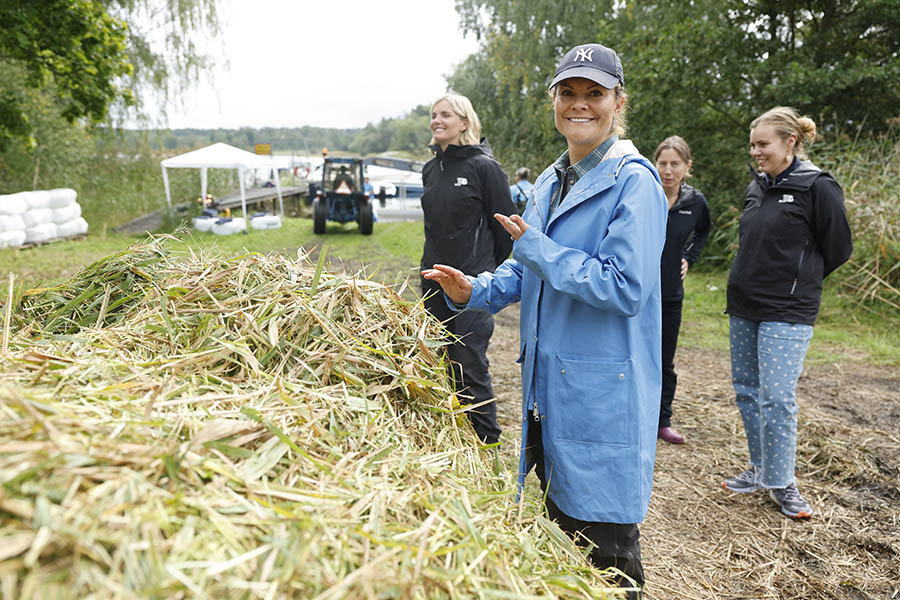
(869, 172)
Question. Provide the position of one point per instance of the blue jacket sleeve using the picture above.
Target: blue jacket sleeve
(492, 291)
(625, 270)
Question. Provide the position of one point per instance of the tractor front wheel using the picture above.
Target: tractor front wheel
(320, 215)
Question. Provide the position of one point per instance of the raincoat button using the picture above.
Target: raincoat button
(563, 371)
(621, 375)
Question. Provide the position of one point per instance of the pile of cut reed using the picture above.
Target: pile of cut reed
(175, 424)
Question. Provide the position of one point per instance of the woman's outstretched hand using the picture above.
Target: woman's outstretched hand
(453, 281)
(513, 224)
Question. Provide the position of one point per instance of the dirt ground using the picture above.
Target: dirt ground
(700, 541)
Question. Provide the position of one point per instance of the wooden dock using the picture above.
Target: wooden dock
(264, 198)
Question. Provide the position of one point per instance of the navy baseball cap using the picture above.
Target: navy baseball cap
(591, 61)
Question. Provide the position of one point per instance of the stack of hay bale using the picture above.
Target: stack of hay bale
(39, 216)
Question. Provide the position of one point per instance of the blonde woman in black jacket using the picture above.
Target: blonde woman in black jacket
(793, 233)
(464, 187)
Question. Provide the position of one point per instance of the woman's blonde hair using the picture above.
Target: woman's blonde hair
(620, 119)
(463, 108)
(787, 121)
(676, 143)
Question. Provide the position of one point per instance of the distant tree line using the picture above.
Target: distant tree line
(408, 134)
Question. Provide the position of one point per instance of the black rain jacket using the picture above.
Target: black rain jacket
(792, 235)
(464, 187)
(687, 228)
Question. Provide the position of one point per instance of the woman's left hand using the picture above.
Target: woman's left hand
(513, 224)
(684, 268)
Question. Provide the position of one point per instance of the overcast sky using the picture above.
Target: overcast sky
(326, 63)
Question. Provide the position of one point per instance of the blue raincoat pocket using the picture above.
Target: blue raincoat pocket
(589, 401)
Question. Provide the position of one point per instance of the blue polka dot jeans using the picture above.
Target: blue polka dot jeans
(766, 362)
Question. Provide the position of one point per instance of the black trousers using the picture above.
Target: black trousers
(468, 360)
(671, 324)
(615, 544)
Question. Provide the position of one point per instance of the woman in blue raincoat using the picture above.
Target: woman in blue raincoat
(585, 266)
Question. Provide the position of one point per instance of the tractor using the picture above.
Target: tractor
(343, 196)
(340, 195)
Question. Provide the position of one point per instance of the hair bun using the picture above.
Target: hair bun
(807, 129)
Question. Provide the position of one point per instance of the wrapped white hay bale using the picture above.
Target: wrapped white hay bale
(44, 232)
(37, 199)
(203, 222)
(66, 213)
(13, 204)
(37, 216)
(77, 226)
(12, 238)
(62, 197)
(265, 222)
(229, 226)
(13, 223)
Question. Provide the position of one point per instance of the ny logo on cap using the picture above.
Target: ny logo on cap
(584, 54)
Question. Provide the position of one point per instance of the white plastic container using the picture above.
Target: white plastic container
(61, 197)
(67, 213)
(229, 226)
(40, 233)
(12, 238)
(13, 204)
(265, 222)
(37, 216)
(203, 223)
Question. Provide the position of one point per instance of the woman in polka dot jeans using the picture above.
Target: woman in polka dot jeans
(793, 233)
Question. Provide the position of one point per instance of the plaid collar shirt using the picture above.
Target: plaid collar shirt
(568, 175)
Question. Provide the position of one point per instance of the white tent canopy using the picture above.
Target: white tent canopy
(221, 156)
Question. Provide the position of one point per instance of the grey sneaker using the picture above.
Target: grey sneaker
(791, 502)
(748, 481)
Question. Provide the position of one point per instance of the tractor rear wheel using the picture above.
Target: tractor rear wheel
(365, 218)
(320, 215)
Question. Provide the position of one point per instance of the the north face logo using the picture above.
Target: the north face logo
(584, 54)
(460, 181)
(786, 198)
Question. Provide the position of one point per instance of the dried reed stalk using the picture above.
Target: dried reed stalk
(174, 425)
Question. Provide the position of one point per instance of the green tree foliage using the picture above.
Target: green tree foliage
(408, 134)
(95, 59)
(507, 80)
(71, 49)
(702, 69)
(162, 47)
(705, 69)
